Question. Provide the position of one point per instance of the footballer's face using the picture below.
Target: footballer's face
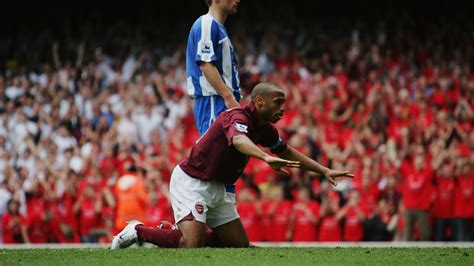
(273, 106)
(230, 6)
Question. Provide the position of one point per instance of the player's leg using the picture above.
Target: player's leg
(193, 233)
(189, 208)
(225, 221)
(190, 233)
(211, 239)
(165, 238)
(190, 199)
(233, 234)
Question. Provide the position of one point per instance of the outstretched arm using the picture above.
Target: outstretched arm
(245, 145)
(309, 164)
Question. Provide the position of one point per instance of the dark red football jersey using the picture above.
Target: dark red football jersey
(213, 157)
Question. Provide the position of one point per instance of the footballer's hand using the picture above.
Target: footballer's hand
(278, 163)
(230, 101)
(332, 175)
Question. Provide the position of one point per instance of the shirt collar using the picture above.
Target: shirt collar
(253, 113)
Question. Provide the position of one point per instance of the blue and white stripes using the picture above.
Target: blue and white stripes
(208, 42)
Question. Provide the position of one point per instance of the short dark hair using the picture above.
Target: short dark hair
(208, 2)
(262, 89)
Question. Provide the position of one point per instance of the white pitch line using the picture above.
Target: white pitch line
(269, 245)
(398, 244)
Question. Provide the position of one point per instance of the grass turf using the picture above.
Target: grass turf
(241, 257)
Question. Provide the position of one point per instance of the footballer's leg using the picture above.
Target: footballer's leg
(225, 221)
(193, 233)
(233, 234)
(189, 234)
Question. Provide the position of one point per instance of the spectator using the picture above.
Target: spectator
(250, 212)
(277, 210)
(88, 208)
(131, 197)
(354, 218)
(381, 224)
(158, 208)
(330, 226)
(14, 225)
(304, 218)
(464, 199)
(443, 208)
(67, 225)
(372, 102)
(417, 193)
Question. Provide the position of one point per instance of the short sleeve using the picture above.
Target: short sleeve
(207, 40)
(235, 124)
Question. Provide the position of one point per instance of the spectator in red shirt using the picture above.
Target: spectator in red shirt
(304, 218)
(464, 203)
(353, 218)
(107, 233)
(65, 224)
(330, 226)
(42, 227)
(66, 220)
(443, 208)
(265, 202)
(88, 209)
(278, 212)
(250, 213)
(156, 210)
(40, 219)
(369, 193)
(417, 191)
(107, 163)
(13, 224)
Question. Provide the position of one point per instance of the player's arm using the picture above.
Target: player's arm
(245, 145)
(309, 164)
(212, 75)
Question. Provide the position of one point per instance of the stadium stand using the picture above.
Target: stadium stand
(92, 106)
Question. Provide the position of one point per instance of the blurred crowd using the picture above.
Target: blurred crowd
(92, 124)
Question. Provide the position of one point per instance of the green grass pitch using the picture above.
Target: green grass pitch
(241, 257)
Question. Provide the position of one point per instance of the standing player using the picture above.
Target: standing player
(211, 66)
(197, 186)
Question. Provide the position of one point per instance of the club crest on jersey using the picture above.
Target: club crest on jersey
(199, 208)
(241, 128)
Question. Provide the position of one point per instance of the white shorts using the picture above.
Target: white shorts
(207, 201)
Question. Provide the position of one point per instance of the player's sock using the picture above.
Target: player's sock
(169, 238)
(165, 238)
(212, 240)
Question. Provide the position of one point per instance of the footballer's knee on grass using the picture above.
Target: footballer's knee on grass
(193, 234)
(233, 234)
